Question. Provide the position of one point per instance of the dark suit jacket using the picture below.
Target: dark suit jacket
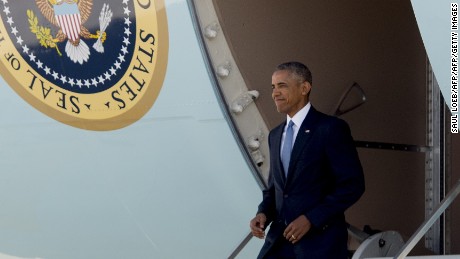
(325, 178)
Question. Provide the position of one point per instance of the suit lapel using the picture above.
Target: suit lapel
(303, 138)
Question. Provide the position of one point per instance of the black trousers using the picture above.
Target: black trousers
(282, 249)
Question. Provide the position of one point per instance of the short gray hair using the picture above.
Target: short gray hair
(298, 69)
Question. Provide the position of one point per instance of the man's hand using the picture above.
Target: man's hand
(297, 229)
(257, 225)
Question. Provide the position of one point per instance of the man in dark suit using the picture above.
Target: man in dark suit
(315, 175)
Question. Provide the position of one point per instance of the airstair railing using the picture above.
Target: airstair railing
(421, 231)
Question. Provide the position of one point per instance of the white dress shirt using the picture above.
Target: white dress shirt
(297, 120)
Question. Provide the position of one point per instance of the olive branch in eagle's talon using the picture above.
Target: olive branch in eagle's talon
(42, 33)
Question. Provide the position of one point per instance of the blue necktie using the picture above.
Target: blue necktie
(287, 147)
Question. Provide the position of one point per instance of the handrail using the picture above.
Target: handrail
(421, 231)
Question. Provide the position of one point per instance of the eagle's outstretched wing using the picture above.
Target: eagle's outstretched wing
(85, 7)
(47, 10)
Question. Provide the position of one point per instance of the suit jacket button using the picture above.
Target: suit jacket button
(325, 227)
(285, 196)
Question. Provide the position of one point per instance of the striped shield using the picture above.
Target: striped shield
(69, 19)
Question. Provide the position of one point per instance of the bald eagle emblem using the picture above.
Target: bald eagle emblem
(69, 16)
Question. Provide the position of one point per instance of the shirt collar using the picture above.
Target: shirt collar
(299, 116)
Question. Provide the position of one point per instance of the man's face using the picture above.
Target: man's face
(289, 93)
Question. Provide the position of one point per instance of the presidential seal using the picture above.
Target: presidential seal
(91, 64)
